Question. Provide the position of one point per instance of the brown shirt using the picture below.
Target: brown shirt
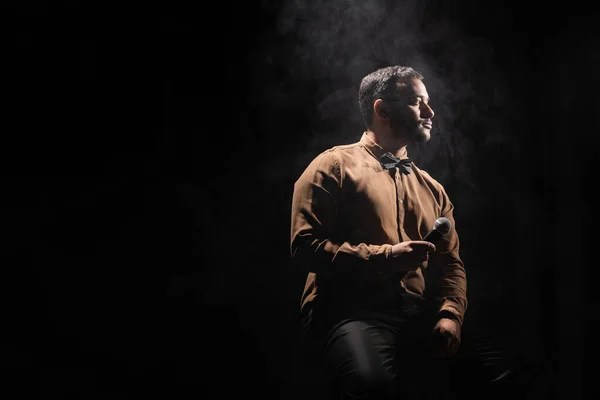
(348, 211)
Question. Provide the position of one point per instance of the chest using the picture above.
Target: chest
(390, 200)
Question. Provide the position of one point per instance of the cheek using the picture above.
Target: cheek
(410, 114)
(416, 114)
(406, 117)
(403, 113)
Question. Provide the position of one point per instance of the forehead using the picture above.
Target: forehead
(415, 87)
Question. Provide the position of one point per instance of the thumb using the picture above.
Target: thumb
(422, 245)
(428, 245)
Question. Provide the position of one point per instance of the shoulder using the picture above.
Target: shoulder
(425, 176)
(427, 179)
(338, 154)
(327, 163)
(343, 151)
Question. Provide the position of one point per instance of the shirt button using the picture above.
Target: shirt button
(401, 201)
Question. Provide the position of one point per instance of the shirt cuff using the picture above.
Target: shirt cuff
(446, 313)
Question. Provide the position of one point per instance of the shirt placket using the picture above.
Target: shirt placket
(400, 205)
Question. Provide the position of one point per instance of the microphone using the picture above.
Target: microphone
(440, 228)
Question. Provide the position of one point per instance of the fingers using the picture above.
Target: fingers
(422, 245)
(421, 257)
(420, 254)
(445, 338)
(444, 344)
(421, 250)
(412, 255)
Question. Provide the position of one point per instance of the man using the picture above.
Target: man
(381, 305)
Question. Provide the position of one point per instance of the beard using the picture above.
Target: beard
(410, 130)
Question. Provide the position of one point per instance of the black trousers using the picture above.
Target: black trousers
(380, 356)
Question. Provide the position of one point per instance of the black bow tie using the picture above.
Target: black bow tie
(389, 161)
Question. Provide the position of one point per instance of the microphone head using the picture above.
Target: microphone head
(442, 225)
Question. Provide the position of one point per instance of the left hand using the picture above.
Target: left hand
(445, 339)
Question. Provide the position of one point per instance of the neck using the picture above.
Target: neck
(388, 142)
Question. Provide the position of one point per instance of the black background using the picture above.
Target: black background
(149, 154)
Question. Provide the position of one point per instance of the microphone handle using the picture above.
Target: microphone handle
(433, 236)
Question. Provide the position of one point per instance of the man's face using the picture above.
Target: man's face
(410, 116)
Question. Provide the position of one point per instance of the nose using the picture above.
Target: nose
(426, 111)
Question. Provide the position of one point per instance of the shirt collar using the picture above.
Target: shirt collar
(376, 150)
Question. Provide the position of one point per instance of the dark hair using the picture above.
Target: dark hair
(379, 84)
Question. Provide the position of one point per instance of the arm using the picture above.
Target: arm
(314, 225)
(451, 287)
(450, 290)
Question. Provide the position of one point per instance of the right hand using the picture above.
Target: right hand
(410, 255)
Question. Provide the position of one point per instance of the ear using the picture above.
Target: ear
(380, 108)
